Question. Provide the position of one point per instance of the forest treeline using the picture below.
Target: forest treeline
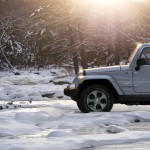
(35, 33)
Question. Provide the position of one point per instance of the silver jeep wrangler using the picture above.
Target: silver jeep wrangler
(99, 88)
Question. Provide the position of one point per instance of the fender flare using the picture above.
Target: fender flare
(103, 77)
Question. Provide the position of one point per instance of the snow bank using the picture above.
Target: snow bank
(60, 125)
(35, 118)
(15, 129)
(60, 134)
(34, 86)
(88, 141)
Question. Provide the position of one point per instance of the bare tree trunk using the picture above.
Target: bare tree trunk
(118, 40)
(72, 42)
(74, 52)
(83, 53)
(83, 57)
(75, 62)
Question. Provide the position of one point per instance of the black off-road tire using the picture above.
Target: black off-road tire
(83, 104)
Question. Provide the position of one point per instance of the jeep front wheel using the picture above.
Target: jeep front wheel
(95, 98)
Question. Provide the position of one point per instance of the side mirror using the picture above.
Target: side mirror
(140, 62)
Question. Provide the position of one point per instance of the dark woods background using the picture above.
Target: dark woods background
(40, 33)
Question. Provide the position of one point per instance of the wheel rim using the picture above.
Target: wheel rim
(97, 100)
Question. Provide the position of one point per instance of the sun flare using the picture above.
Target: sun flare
(104, 3)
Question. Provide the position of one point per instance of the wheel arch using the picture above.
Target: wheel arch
(104, 82)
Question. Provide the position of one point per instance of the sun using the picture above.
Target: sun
(105, 2)
(102, 3)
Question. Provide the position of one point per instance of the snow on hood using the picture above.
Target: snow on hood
(107, 69)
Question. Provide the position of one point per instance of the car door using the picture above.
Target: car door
(141, 77)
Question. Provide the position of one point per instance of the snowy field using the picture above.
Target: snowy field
(34, 85)
(59, 125)
(53, 122)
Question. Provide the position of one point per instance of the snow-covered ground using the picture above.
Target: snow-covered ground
(58, 124)
(51, 122)
(34, 85)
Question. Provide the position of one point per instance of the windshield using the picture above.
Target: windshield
(133, 53)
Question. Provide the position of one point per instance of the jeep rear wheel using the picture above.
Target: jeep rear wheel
(95, 98)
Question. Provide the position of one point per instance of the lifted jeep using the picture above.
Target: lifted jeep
(99, 88)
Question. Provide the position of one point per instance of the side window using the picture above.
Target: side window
(146, 55)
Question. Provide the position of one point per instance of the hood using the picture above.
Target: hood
(107, 69)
